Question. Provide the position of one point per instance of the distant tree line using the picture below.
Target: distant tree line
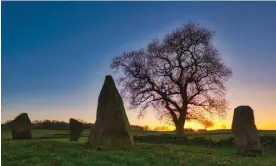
(60, 125)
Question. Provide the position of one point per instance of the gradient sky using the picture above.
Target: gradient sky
(55, 55)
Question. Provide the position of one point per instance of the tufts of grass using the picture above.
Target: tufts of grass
(61, 152)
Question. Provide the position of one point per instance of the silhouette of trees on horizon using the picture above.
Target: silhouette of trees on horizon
(181, 76)
(60, 125)
(207, 123)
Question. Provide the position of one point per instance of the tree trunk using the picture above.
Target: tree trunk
(179, 125)
(179, 130)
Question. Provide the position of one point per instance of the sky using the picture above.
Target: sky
(55, 55)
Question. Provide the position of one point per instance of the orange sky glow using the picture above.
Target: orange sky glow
(53, 69)
(263, 104)
(239, 92)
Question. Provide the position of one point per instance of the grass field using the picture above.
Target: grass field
(61, 152)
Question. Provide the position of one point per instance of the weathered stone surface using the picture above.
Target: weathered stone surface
(112, 128)
(21, 127)
(245, 132)
(76, 129)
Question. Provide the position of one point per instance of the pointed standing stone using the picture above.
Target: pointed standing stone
(76, 129)
(245, 132)
(21, 127)
(112, 128)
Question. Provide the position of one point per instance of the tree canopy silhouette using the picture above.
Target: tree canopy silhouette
(207, 123)
(182, 76)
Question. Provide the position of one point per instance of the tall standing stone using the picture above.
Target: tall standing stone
(21, 127)
(76, 129)
(112, 128)
(245, 132)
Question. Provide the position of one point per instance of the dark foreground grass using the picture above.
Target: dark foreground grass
(61, 152)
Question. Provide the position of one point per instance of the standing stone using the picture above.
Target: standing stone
(76, 129)
(245, 132)
(21, 127)
(112, 128)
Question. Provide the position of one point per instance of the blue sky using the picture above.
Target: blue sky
(55, 55)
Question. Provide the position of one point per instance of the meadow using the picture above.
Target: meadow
(52, 148)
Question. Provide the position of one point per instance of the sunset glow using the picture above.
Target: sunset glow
(138, 83)
(58, 72)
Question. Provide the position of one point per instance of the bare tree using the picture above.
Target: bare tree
(207, 123)
(146, 128)
(183, 76)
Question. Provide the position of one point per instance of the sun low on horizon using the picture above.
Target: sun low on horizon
(54, 62)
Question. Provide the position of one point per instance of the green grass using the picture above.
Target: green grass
(61, 152)
(215, 135)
